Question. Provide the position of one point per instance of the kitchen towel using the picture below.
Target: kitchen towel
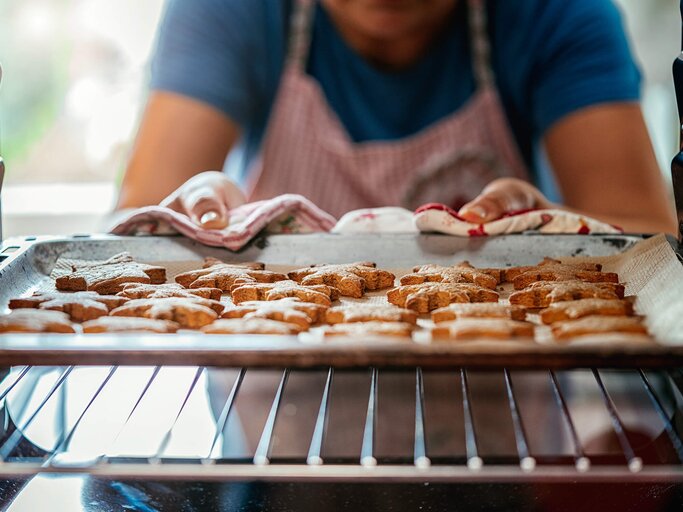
(288, 213)
(440, 218)
(292, 213)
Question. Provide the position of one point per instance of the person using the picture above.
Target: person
(486, 106)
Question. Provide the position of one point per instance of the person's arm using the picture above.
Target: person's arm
(605, 167)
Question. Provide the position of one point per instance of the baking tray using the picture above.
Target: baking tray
(26, 264)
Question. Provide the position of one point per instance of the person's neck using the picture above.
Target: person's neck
(394, 54)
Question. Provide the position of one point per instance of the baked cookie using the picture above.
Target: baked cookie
(562, 273)
(351, 279)
(163, 291)
(427, 297)
(251, 326)
(351, 313)
(542, 294)
(478, 328)
(189, 313)
(128, 324)
(80, 306)
(478, 310)
(371, 329)
(573, 309)
(508, 275)
(596, 324)
(225, 276)
(108, 277)
(290, 310)
(461, 273)
(317, 294)
(36, 320)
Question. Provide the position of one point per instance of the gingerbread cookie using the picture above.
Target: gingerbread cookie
(361, 330)
(351, 280)
(573, 309)
(318, 294)
(251, 326)
(128, 324)
(562, 273)
(351, 313)
(36, 320)
(424, 298)
(461, 273)
(226, 276)
(108, 277)
(596, 324)
(163, 291)
(189, 313)
(80, 306)
(478, 310)
(542, 294)
(479, 328)
(508, 275)
(290, 310)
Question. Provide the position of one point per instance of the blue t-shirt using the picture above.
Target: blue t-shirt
(550, 58)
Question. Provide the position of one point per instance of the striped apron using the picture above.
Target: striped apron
(307, 150)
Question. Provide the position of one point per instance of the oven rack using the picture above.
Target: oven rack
(497, 401)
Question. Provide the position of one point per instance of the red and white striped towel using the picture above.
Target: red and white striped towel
(288, 213)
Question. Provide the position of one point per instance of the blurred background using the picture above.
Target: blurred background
(74, 84)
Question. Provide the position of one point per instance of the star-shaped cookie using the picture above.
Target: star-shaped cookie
(165, 291)
(108, 277)
(351, 313)
(596, 324)
(226, 276)
(162, 291)
(573, 309)
(251, 326)
(427, 297)
(290, 310)
(542, 294)
(189, 313)
(36, 320)
(80, 306)
(352, 280)
(509, 274)
(461, 273)
(128, 324)
(318, 294)
(478, 310)
(482, 328)
(361, 330)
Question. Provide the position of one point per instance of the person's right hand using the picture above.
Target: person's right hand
(206, 199)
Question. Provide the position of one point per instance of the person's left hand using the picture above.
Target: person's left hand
(501, 196)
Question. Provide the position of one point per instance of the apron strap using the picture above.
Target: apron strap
(300, 32)
(481, 46)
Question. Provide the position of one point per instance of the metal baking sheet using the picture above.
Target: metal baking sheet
(25, 265)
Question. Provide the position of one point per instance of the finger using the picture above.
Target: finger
(205, 207)
(498, 198)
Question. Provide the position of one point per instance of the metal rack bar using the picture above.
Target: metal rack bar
(15, 437)
(315, 451)
(104, 457)
(63, 444)
(420, 452)
(581, 462)
(225, 414)
(668, 424)
(367, 457)
(474, 461)
(21, 375)
(635, 463)
(261, 457)
(526, 461)
(169, 433)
